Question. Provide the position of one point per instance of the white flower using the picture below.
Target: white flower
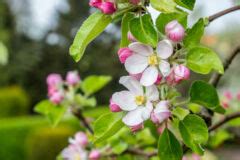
(74, 152)
(135, 101)
(145, 60)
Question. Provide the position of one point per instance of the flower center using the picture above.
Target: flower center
(140, 100)
(153, 60)
(77, 157)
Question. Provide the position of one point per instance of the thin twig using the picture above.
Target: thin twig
(216, 77)
(224, 120)
(78, 114)
(222, 13)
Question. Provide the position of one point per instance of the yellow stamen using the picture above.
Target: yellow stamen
(140, 100)
(153, 60)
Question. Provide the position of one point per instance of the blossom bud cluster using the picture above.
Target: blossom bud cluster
(107, 7)
(77, 149)
(149, 68)
(55, 83)
(228, 98)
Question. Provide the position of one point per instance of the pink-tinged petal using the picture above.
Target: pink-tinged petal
(149, 76)
(134, 117)
(140, 48)
(114, 107)
(159, 79)
(161, 112)
(131, 37)
(136, 127)
(136, 64)
(57, 97)
(136, 76)
(125, 100)
(165, 68)
(94, 155)
(124, 53)
(152, 93)
(131, 84)
(72, 78)
(107, 7)
(54, 79)
(81, 139)
(175, 31)
(164, 49)
(228, 95)
(147, 110)
(170, 79)
(181, 73)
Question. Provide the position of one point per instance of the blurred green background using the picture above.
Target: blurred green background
(37, 34)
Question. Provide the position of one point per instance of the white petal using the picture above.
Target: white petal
(134, 117)
(165, 68)
(141, 49)
(147, 110)
(164, 49)
(162, 106)
(152, 93)
(136, 64)
(125, 100)
(132, 85)
(149, 76)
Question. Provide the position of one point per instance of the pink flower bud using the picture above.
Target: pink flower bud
(159, 79)
(181, 73)
(131, 37)
(161, 112)
(57, 97)
(175, 31)
(228, 95)
(225, 104)
(81, 138)
(170, 78)
(114, 107)
(137, 127)
(51, 90)
(124, 53)
(107, 7)
(72, 78)
(135, 2)
(136, 76)
(94, 155)
(95, 3)
(54, 79)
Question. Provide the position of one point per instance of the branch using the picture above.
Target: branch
(216, 77)
(224, 120)
(222, 13)
(78, 114)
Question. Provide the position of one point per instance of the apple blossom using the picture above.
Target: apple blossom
(57, 97)
(175, 31)
(107, 7)
(80, 138)
(114, 107)
(72, 78)
(124, 53)
(181, 73)
(74, 152)
(161, 112)
(54, 79)
(94, 155)
(146, 61)
(135, 102)
(95, 3)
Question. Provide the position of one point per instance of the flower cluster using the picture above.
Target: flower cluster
(107, 7)
(77, 149)
(56, 91)
(228, 98)
(148, 69)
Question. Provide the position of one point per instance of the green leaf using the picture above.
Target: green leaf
(143, 30)
(194, 132)
(204, 94)
(194, 35)
(164, 18)
(53, 112)
(3, 54)
(203, 60)
(125, 28)
(119, 148)
(189, 4)
(85, 102)
(168, 146)
(106, 126)
(180, 113)
(89, 30)
(165, 6)
(92, 84)
(219, 137)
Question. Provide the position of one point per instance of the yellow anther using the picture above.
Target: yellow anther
(140, 100)
(153, 60)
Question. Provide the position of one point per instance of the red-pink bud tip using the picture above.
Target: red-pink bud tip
(94, 155)
(124, 53)
(175, 31)
(114, 107)
(107, 7)
(137, 127)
